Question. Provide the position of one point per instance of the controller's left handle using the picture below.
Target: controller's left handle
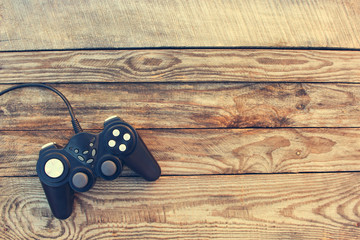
(53, 168)
(60, 199)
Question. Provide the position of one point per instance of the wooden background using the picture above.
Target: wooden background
(252, 109)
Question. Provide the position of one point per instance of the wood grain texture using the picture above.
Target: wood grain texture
(216, 65)
(301, 206)
(29, 25)
(211, 151)
(230, 105)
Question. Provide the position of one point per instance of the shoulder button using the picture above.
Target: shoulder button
(48, 145)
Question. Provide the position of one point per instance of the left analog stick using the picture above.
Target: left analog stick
(80, 180)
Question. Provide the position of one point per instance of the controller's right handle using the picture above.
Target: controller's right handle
(60, 199)
(142, 162)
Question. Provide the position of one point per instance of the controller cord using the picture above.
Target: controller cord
(75, 123)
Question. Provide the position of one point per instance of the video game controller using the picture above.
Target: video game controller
(74, 168)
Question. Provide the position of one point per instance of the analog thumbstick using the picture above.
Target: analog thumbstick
(108, 168)
(80, 180)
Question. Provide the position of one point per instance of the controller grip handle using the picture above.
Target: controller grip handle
(142, 162)
(60, 199)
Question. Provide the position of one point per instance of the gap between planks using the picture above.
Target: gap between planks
(208, 175)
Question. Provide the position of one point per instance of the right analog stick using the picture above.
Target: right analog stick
(108, 168)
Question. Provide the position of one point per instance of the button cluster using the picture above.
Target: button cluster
(86, 155)
(119, 140)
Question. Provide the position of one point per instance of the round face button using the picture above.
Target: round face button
(80, 180)
(111, 143)
(122, 147)
(126, 137)
(108, 168)
(116, 132)
(54, 168)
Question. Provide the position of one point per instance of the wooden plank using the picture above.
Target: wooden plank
(301, 206)
(29, 25)
(211, 65)
(211, 151)
(179, 105)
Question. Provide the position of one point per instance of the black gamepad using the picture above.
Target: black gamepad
(87, 156)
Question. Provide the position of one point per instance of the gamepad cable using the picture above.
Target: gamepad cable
(75, 123)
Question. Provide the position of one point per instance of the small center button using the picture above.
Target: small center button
(116, 132)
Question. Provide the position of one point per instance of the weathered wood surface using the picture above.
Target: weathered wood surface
(212, 65)
(29, 25)
(211, 151)
(179, 105)
(187, 105)
(300, 206)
